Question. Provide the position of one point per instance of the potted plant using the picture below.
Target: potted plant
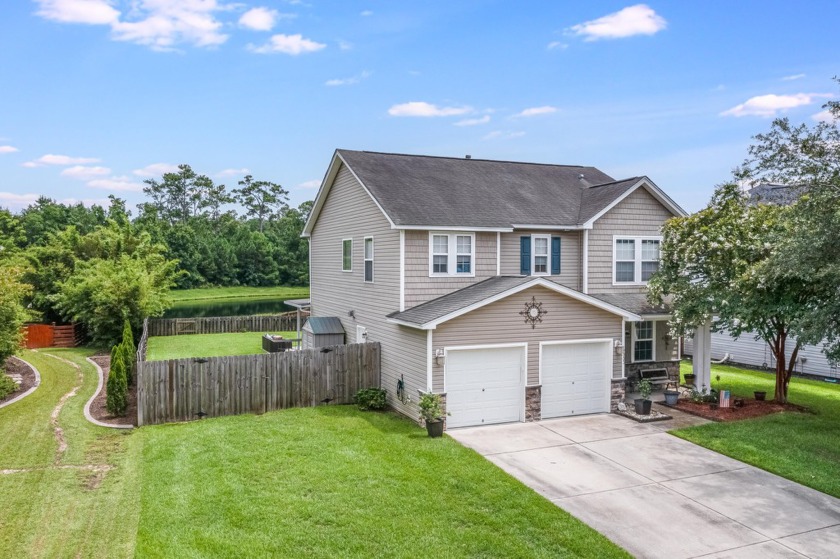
(671, 397)
(760, 395)
(431, 412)
(689, 379)
(643, 404)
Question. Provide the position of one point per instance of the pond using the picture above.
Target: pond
(227, 307)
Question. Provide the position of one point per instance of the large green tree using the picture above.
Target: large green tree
(714, 266)
(262, 200)
(12, 311)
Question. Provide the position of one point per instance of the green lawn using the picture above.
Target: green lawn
(56, 508)
(207, 345)
(279, 292)
(336, 482)
(804, 447)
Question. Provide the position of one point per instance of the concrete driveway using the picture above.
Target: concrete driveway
(657, 495)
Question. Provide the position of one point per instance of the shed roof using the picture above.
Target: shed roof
(324, 325)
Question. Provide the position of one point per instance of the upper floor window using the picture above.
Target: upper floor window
(539, 255)
(451, 254)
(347, 255)
(369, 259)
(635, 259)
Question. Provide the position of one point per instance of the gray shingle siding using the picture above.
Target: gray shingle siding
(570, 258)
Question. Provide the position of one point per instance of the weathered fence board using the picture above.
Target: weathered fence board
(186, 389)
(285, 322)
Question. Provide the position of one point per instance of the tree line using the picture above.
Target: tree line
(102, 266)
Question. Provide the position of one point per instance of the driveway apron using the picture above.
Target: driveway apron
(659, 496)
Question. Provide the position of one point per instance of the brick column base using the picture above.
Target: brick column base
(533, 403)
(617, 392)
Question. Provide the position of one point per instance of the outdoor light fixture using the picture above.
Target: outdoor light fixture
(439, 355)
(351, 314)
(618, 345)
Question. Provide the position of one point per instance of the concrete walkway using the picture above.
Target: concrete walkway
(659, 496)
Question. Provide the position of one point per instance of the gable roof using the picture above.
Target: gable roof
(324, 325)
(422, 192)
(428, 315)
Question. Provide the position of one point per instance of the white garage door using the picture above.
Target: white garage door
(575, 378)
(484, 386)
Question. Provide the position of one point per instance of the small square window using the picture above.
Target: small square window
(624, 271)
(440, 264)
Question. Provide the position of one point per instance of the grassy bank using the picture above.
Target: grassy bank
(207, 345)
(280, 292)
(803, 447)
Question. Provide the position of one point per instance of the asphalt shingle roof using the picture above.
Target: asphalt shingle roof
(636, 303)
(446, 191)
(324, 325)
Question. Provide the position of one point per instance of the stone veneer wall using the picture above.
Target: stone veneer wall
(617, 392)
(633, 375)
(533, 403)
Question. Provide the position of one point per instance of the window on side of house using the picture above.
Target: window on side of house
(451, 254)
(369, 259)
(540, 254)
(347, 255)
(643, 340)
(635, 259)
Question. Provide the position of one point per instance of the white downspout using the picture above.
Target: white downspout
(586, 262)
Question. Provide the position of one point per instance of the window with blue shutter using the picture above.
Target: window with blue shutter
(555, 256)
(525, 255)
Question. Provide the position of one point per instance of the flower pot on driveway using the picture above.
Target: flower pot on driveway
(642, 406)
(435, 428)
(671, 397)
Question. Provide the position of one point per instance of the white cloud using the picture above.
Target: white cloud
(770, 105)
(156, 170)
(233, 172)
(83, 172)
(557, 45)
(8, 149)
(537, 111)
(259, 19)
(633, 20)
(12, 200)
(122, 183)
(314, 183)
(92, 12)
(500, 135)
(52, 159)
(824, 116)
(473, 121)
(366, 13)
(793, 77)
(348, 81)
(288, 44)
(421, 108)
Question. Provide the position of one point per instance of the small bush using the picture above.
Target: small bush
(116, 395)
(370, 399)
(7, 385)
(129, 350)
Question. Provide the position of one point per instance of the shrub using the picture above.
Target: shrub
(370, 399)
(128, 351)
(431, 408)
(116, 400)
(7, 385)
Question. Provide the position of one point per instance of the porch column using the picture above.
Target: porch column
(701, 363)
(298, 323)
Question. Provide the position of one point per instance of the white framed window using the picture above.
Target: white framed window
(643, 341)
(635, 259)
(540, 255)
(451, 254)
(347, 255)
(368, 259)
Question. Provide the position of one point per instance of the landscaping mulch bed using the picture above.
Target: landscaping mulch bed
(751, 409)
(17, 367)
(97, 407)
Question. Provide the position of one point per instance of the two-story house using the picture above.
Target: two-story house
(515, 289)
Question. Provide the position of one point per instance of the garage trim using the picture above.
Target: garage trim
(610, 372)
(523, 369)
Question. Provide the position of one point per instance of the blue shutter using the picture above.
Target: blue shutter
(525, 255)
(555, 256)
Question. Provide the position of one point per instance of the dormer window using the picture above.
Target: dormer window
(451, 254)
(635, 259)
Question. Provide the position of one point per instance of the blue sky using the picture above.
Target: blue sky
(98, 95)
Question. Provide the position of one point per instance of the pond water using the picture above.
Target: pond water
(227, 307)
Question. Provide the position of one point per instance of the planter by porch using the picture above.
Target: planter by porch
(671, 397)
(435, 428)
(642, 406)
(760, 395)
(689, 378)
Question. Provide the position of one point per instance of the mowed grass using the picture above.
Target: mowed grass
(278, 292)
(803, 447)
(336, 482)
(207, 345)
(55, 508)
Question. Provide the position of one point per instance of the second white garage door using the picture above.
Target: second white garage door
(484, 385)
(575, 378)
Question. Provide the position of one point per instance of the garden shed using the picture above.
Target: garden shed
(322, 331)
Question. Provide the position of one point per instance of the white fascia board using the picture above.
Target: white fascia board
(452, 228)
(408, 324)
(548, 227)
(654, 190)
(326, 186)
(536, 281)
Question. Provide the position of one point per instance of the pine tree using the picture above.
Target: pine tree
(116, 400)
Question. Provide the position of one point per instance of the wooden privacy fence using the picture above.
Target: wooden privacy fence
(186, 389)
(224, 324)
(52, 335)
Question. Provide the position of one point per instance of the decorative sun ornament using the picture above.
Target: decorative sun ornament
(533, 312)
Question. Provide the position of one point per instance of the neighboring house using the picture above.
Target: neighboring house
(517, 290)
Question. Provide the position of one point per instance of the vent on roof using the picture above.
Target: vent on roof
(468, 156)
